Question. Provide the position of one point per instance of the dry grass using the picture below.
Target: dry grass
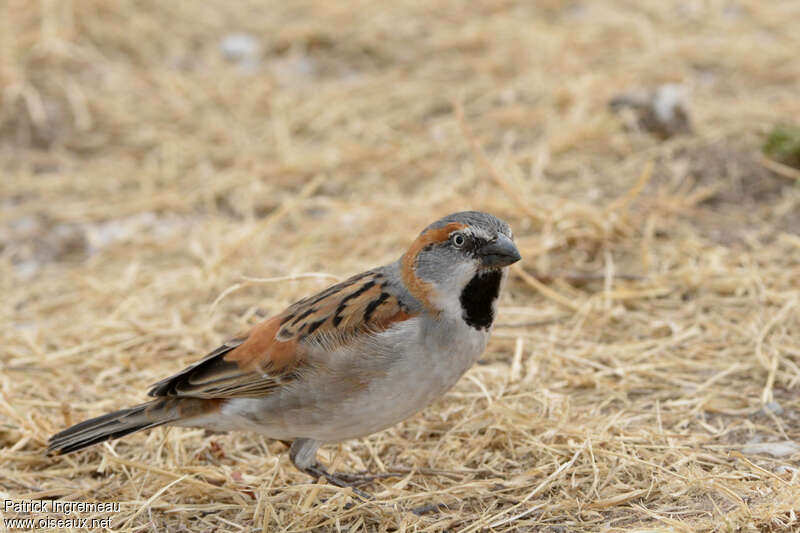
(656, 313)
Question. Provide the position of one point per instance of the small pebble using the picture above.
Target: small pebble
(773, 407)
(243, 49)
(662, 111)
(775, 449)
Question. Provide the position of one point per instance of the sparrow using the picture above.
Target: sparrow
(349, 361)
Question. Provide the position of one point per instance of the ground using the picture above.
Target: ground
(173, 171)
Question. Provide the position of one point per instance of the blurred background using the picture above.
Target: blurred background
(166, 166)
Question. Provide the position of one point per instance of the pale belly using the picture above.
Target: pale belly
(353, 395)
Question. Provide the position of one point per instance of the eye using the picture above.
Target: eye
(458, 239)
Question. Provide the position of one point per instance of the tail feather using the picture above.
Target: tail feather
(113, 426)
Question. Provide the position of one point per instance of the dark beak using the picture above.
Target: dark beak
(502, 252)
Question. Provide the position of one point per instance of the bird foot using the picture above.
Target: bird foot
(355, 480)
(352, 481)
(359, 479)
(431, 507)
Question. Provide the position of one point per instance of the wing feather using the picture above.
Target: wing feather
(274, 351)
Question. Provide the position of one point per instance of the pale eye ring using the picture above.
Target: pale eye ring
(458, 239)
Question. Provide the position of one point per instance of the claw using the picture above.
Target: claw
(317, 471)
(422, 509)
(362, 478)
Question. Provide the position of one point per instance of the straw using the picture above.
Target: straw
(158, 197)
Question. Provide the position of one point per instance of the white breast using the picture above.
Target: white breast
(424, 368)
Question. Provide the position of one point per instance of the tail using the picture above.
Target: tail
(118, 424)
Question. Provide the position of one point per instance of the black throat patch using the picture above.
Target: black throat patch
(478, 296)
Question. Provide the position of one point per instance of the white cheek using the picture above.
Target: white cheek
(449, 291)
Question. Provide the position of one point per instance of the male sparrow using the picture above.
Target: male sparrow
(354, 359)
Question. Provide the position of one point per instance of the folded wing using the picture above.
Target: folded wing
(275, 350)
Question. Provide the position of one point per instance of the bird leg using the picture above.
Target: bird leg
(303, 453)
